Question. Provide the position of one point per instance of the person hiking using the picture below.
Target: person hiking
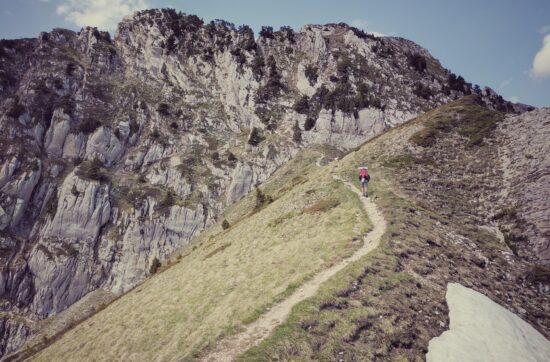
(364, 178)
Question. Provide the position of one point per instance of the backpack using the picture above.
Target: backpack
(364, 173)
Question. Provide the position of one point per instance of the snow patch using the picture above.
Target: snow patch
(482, 330)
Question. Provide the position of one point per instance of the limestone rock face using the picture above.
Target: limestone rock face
(241, 182)
(114, 152)
(57, 133)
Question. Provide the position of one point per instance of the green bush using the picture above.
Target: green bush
(302, 105)
(93, 171)
(296, 133)
(225, 224)
(164, 109)
(312, 74)
(417, 62)
(155, 265)
(343, 68)
(247, 41)
(255, 137)
(273, 86)
(87, 125)
(267, 32)
(261, 199)
(309, 124)
(70, 68)
(16, 109)
(231, 157)
(168, 200)
(423, 91)
(240, 57)
(287, 33)
(257, 66)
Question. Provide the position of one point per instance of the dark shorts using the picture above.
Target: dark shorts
(364, 182)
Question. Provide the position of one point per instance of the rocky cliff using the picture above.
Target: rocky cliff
(116, 152)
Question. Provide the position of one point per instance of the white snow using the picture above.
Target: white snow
(482, 330)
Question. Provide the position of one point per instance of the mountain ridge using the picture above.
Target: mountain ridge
(118, 152)
(387, 305)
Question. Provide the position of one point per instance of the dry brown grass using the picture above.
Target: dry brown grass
(227, 279)
(322, 206)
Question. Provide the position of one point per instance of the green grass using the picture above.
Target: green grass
(381, 307)
(229, 277)
(400, 160)
(328, 316)
(465, 116)
(364, 313)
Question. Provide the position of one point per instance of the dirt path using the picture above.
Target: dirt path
(230, 348)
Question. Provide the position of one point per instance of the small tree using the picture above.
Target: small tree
(155, 265)
(261, 199)
(16, 109)
(257, 66)
(417, 61)
(171, 43)
(287, 33)
(309, 124)
(95, 172)
(254, 138)
(164, 109)
(302, 105)
(247, 41)
(168, 200)
(225, 224)
(312, 74)
(296, 133)
(267, 32)
(422, 91)
(231, 157)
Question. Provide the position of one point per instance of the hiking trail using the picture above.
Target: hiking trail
(228, 349)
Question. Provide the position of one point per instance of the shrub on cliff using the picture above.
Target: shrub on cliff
(312, 74)
(267, 32)
(155, 265)
(255, 137)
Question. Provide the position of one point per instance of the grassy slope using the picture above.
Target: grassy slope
(388, 305)
(228, 277)
(427, 176)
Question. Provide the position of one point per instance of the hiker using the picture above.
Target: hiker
(364, 178)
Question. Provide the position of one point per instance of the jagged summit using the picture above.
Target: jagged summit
(116, 152)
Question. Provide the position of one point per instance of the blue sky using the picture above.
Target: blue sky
(489, 42)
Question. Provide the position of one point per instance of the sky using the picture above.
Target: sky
(503, 44)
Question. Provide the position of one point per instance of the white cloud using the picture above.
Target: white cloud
(514, 99)
(541, 63)
(363, 24)
(359, 23)
(104, 14)
(544, 29)
(505, 83)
